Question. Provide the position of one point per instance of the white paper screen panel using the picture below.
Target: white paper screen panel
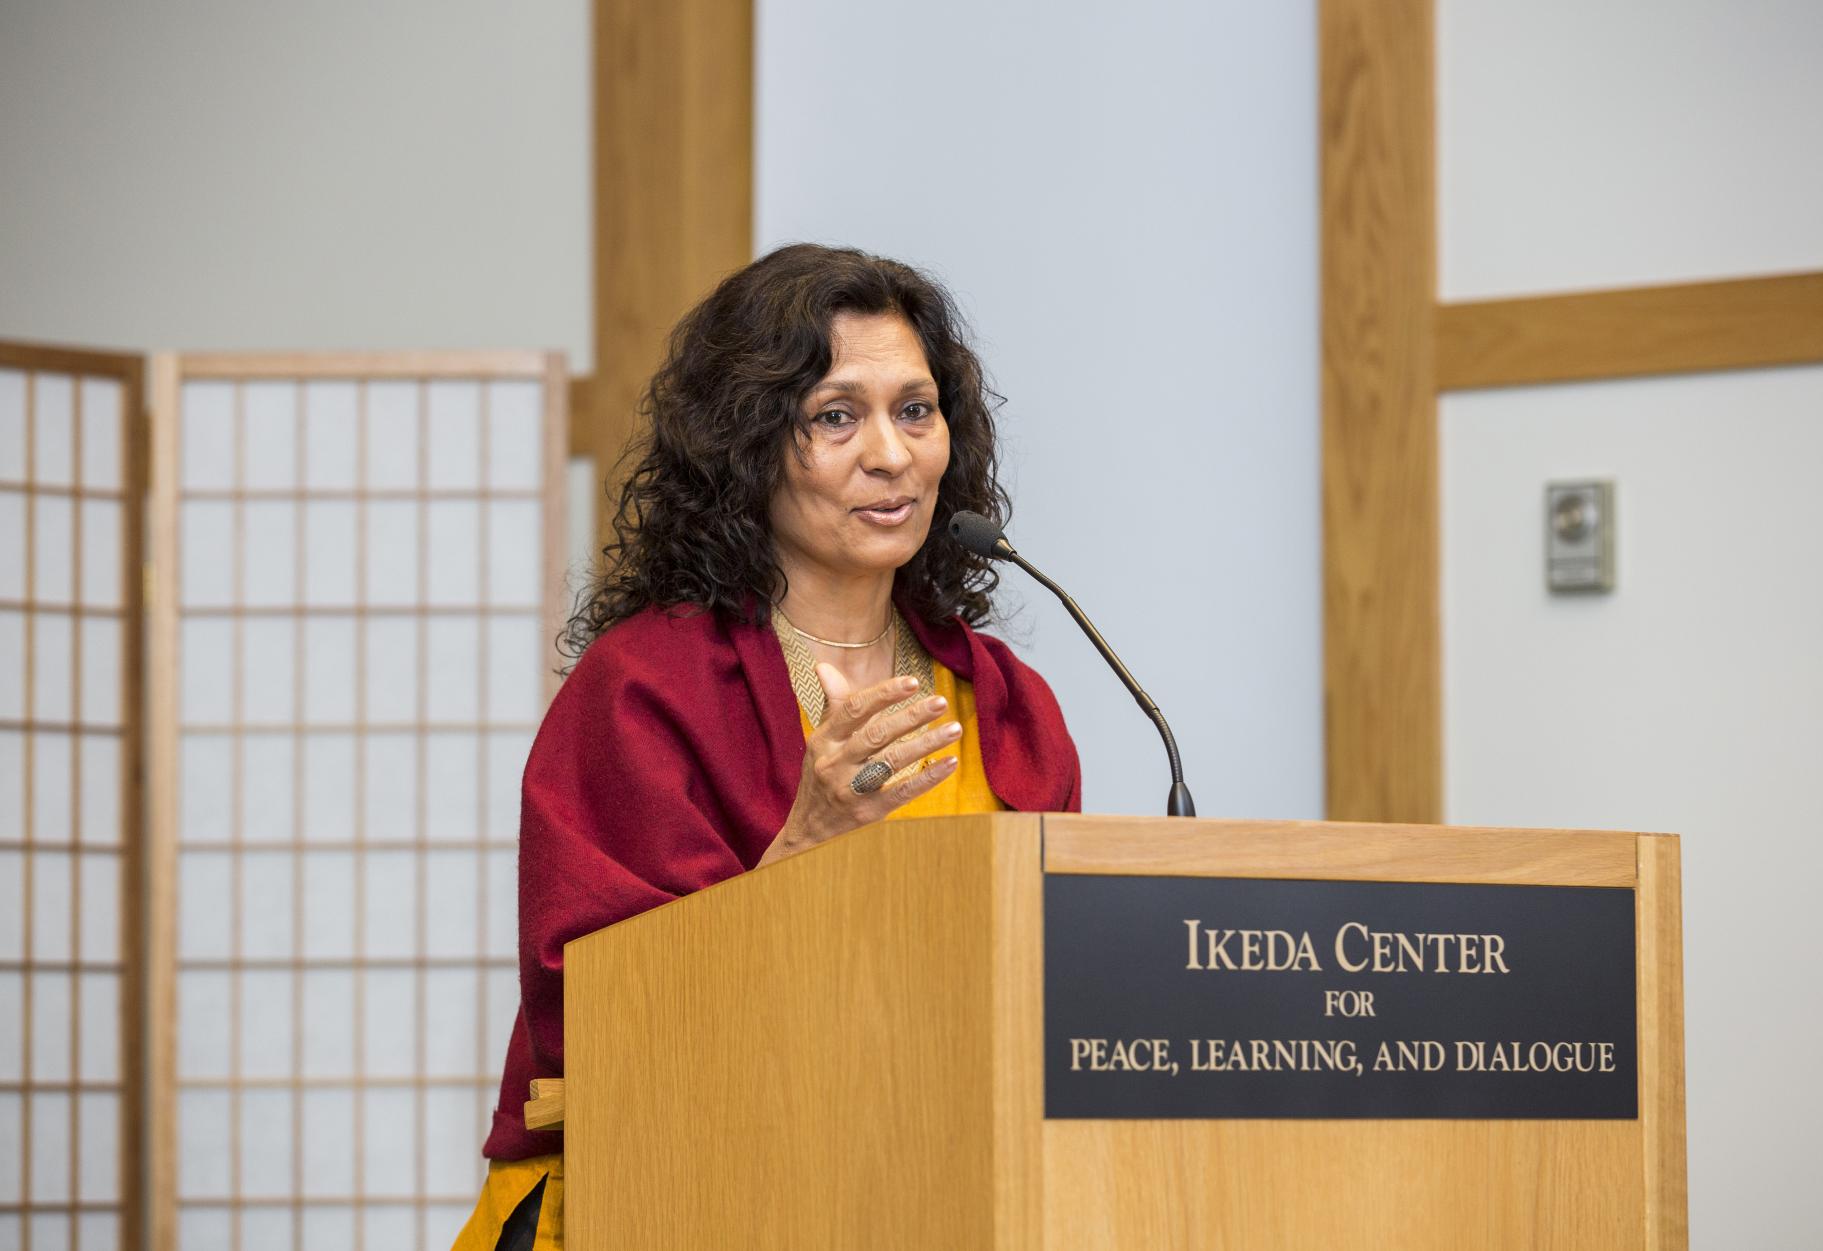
(69, 829)
(365, 575)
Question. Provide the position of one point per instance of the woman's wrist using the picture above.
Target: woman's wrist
(791, 839)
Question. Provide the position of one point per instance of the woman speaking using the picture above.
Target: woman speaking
(781, 646)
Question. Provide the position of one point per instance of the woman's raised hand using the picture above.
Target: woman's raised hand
(859, 729)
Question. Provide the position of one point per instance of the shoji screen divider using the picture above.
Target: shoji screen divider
(71, 984)
(358, 580)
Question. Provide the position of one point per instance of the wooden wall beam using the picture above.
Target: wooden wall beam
(673, 185)
(1738, 324)
(1382, 678)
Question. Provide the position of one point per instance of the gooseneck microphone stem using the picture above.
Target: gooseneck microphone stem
(984, 537)
(1179, 804)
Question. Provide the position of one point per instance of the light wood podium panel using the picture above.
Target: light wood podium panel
(846, 1050)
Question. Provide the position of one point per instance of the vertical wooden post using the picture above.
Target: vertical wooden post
(673, 146)
(1382, 672)
(161, 791)
(1660, 918)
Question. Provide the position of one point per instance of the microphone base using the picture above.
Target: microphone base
(1180, 804)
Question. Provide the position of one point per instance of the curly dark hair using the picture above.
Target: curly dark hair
(691, 527)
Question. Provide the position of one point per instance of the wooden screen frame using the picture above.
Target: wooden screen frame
(167, 376)
(1390, 348)
(129, 371)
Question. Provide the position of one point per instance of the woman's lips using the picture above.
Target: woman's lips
(894, 515)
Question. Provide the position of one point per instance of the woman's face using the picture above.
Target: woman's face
(859, 499)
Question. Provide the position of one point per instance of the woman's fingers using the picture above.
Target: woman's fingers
(860, 726)
(853, 732)
(907, 789)
(835, 686)
(849, 709)
(904, 755)
(884, 729)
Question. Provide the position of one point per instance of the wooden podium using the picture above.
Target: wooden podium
(846, 1050)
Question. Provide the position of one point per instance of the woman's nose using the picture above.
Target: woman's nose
(883, 447)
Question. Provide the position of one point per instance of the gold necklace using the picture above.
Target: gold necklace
(832, 642)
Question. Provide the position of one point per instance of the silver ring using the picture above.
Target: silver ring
(871, 778)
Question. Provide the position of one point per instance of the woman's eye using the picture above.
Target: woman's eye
(833, 419)
(919, 411)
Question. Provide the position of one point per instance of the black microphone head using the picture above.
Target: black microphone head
(981, 535)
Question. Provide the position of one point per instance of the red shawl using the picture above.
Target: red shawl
(668, 762)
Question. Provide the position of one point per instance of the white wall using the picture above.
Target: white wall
(214, 174)
(1627, 142)
(1584, 146)
(1124, 199)
(1689, 701)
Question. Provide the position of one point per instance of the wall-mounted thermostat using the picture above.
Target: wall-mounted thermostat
(1579, 536)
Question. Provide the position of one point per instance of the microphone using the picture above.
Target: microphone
(984, 537)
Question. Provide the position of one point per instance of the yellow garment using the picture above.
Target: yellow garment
(508, 1181)
(966, 790)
